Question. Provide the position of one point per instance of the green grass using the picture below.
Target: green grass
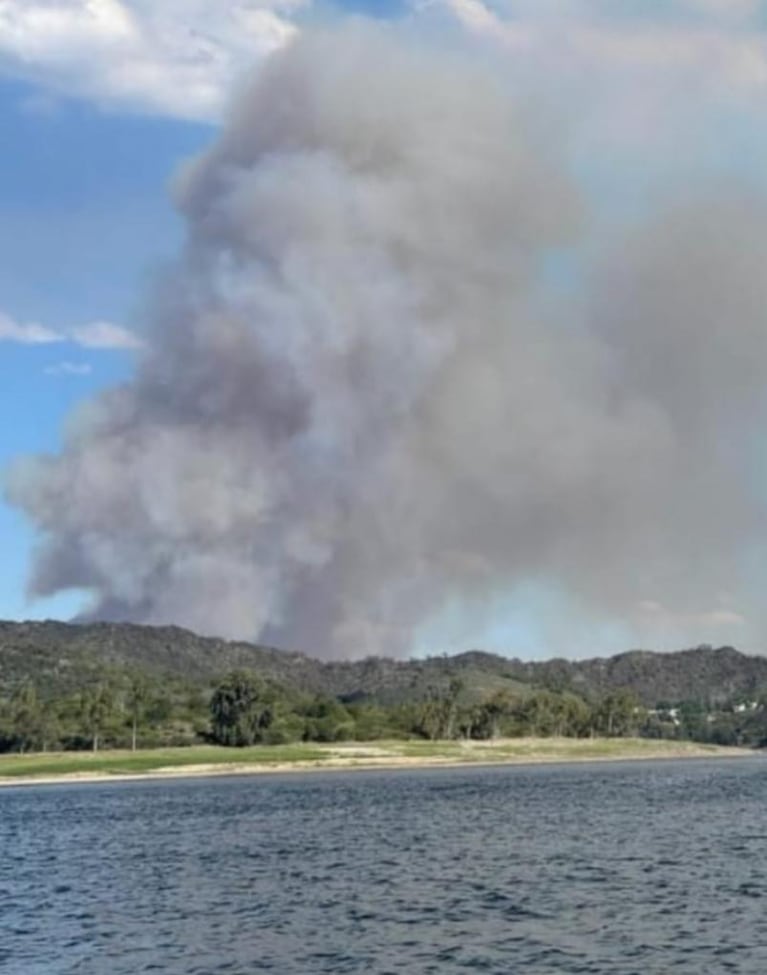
(355, 753)
(148, 760)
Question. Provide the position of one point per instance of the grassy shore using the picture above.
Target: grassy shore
(211, 760)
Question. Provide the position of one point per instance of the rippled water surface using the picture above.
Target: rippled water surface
(645, 868)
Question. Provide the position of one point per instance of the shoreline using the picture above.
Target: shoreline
(363, 757)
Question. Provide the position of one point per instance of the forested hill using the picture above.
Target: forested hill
(60, 657)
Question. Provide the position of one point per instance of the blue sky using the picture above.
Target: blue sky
(100, 104)
(86, 220)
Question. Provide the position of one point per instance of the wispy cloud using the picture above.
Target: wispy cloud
(96, 335)
(104, 335)
(26, 334)
(175, 58)
(69, 369)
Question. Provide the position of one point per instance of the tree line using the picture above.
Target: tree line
(131, 709)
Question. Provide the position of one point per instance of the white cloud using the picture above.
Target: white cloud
(29, 333)
(69, 369)
(180, 58)
(104, 335)
(96, 335)
(163, 57)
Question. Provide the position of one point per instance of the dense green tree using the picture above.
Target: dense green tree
(574, 716)
(97, 709)
(437, 717)
(693, 717)
(25, 717)
(133, 707)
(540, 713)
(242, 709)
(373, 721)
(326, 719)
(137, 700)
(487, 719)
(618, 714)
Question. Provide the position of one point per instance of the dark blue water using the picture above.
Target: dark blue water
(645, 868)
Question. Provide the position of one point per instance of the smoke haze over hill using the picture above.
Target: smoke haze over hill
(367, 393)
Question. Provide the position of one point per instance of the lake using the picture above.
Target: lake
(647, 867)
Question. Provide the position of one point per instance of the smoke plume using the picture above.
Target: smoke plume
(366, 396)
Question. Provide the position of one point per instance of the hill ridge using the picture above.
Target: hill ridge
(55, 654)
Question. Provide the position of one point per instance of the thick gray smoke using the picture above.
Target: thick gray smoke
(356, 409)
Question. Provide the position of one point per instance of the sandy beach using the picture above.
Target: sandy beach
(115, 766)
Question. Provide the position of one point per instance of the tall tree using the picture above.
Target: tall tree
(96, 708)
(137, 699)
(26, 717)
(242, 709)
(618, 714)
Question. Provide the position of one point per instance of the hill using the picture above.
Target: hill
(62, 656)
